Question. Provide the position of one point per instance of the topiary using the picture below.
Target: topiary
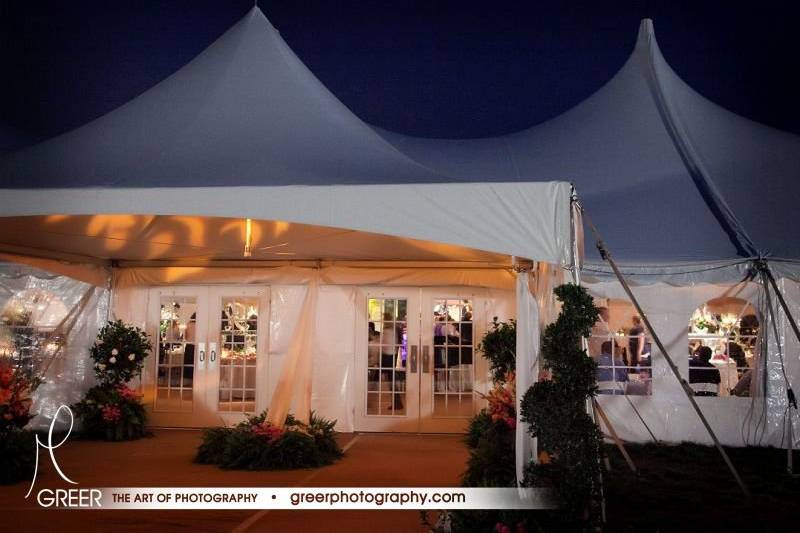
(119, 353)
(556, 412)
(112, 410)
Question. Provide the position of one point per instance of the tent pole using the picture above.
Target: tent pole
(769, 280)
(591, 404)
(606, 255)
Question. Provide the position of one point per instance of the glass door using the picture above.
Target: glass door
(387, 360)
(447, 376)
(415, 360)
(237, 352)
(179, 321)
(210, 346)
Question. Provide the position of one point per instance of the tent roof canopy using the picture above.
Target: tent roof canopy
(650, 158)
(200, 240)
(246, 130)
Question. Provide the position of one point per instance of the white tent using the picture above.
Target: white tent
(246, 131)
(244, 148)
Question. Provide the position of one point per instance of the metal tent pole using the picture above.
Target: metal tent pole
(606, 255)
(769, 280)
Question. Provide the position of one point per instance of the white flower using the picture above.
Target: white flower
(114, 351)
(131, 357)
(101, 366)
(112, 360)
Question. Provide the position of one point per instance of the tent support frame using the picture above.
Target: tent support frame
(768, 280)
(606, 255)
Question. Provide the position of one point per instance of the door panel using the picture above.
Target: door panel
(449, 326)
(210, 365)
(387, 396)
(237, 361)
(179, 321)
(415, 359)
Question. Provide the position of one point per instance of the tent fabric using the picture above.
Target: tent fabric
(246, 131)
(654, 163)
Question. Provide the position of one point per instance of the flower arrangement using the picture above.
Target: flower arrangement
(490, 439)
(16, 444)
(15, 400)
(256, 444)
(112, 410)
(502, 401)
(119, 352)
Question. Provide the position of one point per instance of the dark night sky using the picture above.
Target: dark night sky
(428, 68)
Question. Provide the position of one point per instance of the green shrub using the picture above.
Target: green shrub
(498, 347)
(556, 412)
(213, 446)
(17, 456)
(111, 412)
(256, 445)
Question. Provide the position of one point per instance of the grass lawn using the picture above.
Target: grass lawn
(689, 488)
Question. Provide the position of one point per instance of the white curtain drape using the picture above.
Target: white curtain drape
(526, 363)
(295, 378)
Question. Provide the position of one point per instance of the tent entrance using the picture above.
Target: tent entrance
(210, 355)
(416, 358)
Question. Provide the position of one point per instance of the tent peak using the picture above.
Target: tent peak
(647, 35)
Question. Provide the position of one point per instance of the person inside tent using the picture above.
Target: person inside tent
(704, 377)
(639, 348)
(611, 373)
(600, 333)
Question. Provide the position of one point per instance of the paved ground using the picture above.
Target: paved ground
(166, 460)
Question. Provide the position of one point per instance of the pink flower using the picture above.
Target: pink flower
(111, 414)
(268, 431)
(127, 393)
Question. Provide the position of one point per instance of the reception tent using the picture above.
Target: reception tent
(685, 193)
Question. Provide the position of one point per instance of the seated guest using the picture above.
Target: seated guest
(606, 375)
(736, 353)
(703, 376)
(743, 387)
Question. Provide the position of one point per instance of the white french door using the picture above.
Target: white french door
(416, 359)
(210, 346)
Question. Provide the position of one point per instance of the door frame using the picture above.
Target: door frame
(205, 411)
(429, 422)
(408, 422)
(419, 384)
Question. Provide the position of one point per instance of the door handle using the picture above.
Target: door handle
(426, 360)
(212, 346)
(413, 368)
(202, 349)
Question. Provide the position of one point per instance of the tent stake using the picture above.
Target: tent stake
(606, 255)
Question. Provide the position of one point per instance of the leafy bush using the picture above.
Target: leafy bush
(491, 457)
(490, 438)
(119, 353)
(556, 412)
(111, 412)
(17, 455)
(15, 396)
(498, 347)
(255, 444)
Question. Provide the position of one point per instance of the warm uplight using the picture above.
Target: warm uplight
(248, 239)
